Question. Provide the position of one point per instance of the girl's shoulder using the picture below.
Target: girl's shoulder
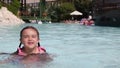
(42, 50)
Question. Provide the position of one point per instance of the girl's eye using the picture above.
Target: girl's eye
(25, 36)
(34, 36)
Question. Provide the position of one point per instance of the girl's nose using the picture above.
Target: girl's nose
(30, 38)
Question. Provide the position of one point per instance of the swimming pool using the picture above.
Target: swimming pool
(72, 45)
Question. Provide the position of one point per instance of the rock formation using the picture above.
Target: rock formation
(8, 18)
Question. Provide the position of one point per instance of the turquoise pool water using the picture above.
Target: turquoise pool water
(71, 45)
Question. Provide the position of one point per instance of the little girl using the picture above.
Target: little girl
(29, 38)
(29, 50)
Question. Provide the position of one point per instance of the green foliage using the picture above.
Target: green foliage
(59, 11)
(14, 6)
(0, 4)
(63, 11)
(84, 6)
(66, 7)
(66, 1)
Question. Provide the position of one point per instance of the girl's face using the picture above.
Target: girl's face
(29, 38)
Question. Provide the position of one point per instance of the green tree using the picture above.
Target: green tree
(84, 6)
(42, 7)
(63, 11)
(0, 4)
(14, 6)
(66, 1)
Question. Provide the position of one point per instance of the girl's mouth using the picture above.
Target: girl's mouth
(30, 43)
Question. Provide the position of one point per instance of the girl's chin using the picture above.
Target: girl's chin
(31, 46)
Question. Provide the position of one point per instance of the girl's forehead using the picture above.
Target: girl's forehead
(29, 31)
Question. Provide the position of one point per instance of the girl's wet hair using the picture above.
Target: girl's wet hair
(28, 27)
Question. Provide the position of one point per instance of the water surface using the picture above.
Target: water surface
(71, 45)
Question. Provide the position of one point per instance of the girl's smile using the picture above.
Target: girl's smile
(30, 43)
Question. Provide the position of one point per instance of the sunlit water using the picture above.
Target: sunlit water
(71, 45)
